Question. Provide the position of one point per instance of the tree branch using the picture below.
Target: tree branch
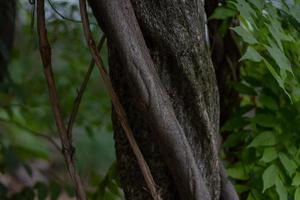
(81, 91)
(67, 148)
(117, 105)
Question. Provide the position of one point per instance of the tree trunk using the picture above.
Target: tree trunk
(7, 26)
(225, 56)
(174, 34)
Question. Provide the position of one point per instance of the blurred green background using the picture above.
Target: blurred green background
(261, 148)
(27, 159)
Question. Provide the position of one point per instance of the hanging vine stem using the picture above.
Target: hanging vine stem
(61, 15)
(67, 148)
(121, 114)
(81, 92)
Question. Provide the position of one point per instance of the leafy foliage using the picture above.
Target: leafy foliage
(262, 138)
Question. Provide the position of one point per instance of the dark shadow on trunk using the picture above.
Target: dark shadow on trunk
(225, 56)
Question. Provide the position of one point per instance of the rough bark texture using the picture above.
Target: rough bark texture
(225, 56)
(7, 26)
(174, 32)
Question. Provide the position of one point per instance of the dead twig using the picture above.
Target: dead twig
(81, 91)
(67, 148)
(117, 105)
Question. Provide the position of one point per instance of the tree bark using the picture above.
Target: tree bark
(225, 56)
(174, 34)
(7, 27)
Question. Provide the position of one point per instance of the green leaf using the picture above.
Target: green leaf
(297, 193)
(245, 35)
(113, 187)
(291, 148)
(246, 11)
(31, 151)
(294, 10)
(268, 102)
(279, 80)
(250, 197)
(238, 172)
(270, 176)
(296, 180)
(288, 163)
(265, 120)
(264, 139)
(275, 33)
(258, 3)
(251, 54)
(257, 195)
(244, 89)
(281, 190)
(275, 74)
(234, 123)
(281, 60)
(234, 139)
(222, 13)
(241, 188)
(269, 155)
